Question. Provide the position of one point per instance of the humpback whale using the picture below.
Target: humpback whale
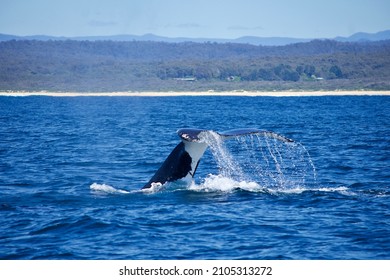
(184, 159)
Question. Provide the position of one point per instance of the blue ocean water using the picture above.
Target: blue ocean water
(71, 169)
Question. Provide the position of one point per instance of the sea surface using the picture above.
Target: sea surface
(72, 169)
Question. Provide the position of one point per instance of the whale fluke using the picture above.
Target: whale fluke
(183, 161)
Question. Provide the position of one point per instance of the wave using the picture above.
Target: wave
(107, 189)
(221, 184)
(103, 188)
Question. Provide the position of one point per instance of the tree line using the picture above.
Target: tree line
(131, 66)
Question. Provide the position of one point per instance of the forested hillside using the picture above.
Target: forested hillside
(156, 66)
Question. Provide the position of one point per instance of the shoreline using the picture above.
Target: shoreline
(202, 93)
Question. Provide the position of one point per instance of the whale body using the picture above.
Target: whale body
(184, 159)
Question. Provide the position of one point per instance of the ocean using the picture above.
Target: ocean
(72, 169)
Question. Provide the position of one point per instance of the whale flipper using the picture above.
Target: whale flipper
(183, 161)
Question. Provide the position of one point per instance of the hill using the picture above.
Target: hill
(69, 65)
(253, 40)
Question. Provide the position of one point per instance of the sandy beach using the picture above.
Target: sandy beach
(205, 93)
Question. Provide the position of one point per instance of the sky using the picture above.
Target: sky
(228, 19)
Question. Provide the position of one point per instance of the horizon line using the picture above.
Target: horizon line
(196, 38)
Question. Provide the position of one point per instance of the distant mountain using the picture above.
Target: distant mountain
(7, 37)
(362, 36)
(252, 40)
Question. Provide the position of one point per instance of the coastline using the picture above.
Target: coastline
(204, 93)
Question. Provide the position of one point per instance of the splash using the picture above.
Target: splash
(257, 161)
(226, 162)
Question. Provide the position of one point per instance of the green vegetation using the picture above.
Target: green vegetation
(105, 66)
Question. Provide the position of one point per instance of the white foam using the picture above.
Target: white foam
(106, 189)
(219, 183)
(299, 190)
(295, 190)
(342, 190)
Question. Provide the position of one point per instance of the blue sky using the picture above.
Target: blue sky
(195, 18)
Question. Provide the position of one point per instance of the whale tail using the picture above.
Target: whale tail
(183, 161)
